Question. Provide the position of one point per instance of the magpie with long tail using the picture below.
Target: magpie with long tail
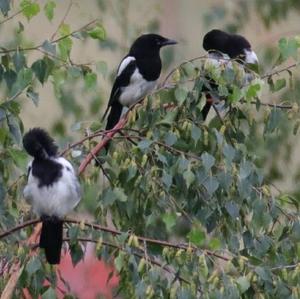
(223, 47)
(137, 75)
(52, 189)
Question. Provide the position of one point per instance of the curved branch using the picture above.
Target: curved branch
(107, 136)
(19, 227)
(280, 71)
(115, 232)
(5, 51)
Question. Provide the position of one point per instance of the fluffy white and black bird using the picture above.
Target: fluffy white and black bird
(137, 75)
(221, 47)
(52, 189)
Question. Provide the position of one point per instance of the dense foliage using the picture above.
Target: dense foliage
(186, 209)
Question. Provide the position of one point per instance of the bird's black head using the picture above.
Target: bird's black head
(149, 44)
(234, 45)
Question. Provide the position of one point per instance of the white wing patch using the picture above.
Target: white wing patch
(57, 199)
(124, 64)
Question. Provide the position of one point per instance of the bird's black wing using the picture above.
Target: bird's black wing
(122, 80)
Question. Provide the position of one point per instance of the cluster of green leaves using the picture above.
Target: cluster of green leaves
(202, 191)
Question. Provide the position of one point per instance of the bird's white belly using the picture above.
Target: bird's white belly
(58, 199)
(137, 89)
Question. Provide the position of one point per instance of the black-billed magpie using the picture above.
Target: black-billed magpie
(223, 46)
(136, 76)
(52, 189)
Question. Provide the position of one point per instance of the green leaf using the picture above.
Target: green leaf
(5, 6)
(29, 8)
(288, 47)
(19, 157)
(252, 91)
(24, 78)
(170, 138)
(181, 94)
(144, 144)
(49, 294)
(119, 261)
(14, 129)
(33, 265)
(236, 94)
(39, 68)
(196, 236)
(264, 274)
(208, 161)
(243, 284)
(90, 80)
(232, 209)
(49, 47)
(76, 253)
(196, 133)
(279, 84)
(19, 60)
(65, 46)
(49, 9)
(10, 78)
(64, 29)
(273, 120)
(34, 96)
(73, 234)
(98, 32)
(189, 177)
(245, 169)
(211, 185)
(170, 220)
(120, 195)
(229, 153)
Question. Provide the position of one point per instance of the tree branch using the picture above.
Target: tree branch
(5, 51)
(280, 71)
(115, 232)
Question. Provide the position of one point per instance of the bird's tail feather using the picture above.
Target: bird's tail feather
(105, 113)
(114, 115)
(51, 239)
(205, 110)
(39, 144)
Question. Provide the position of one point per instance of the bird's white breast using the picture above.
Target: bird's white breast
(57, 199)
(137, 89)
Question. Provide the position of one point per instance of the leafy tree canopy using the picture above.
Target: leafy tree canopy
(182, 208)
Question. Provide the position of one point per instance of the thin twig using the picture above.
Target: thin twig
(11, 17)
(288, 267)
(5, 51)
(280, 71)
(63, 20)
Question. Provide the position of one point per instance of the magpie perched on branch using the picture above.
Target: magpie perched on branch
(221, 47)
(137, 75)
(52, 189)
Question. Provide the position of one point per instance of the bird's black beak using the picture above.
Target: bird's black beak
(167, 42)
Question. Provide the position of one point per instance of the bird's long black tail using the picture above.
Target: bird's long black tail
(206, 109)
(51, 239)
(113, 118)
(114, 115)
